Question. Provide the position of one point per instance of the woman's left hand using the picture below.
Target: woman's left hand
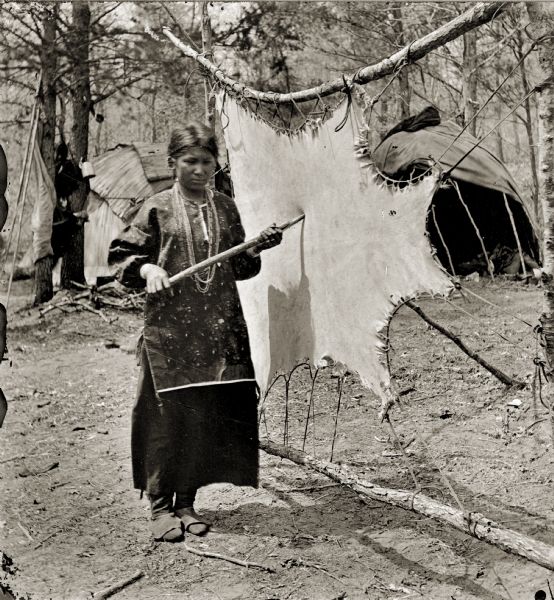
(272, 236)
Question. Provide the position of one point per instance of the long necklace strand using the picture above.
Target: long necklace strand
(204, 278)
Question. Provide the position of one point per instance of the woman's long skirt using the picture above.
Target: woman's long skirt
(193, 437)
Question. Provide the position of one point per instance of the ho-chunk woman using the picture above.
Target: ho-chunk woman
(195, 417)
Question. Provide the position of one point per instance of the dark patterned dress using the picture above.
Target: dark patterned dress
(195, 418)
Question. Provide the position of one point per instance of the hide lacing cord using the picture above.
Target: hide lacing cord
(373, 100)
(299, 110)
(286, 377)
(311, 407)
(542, 368)
(288, 130)
(223, 113)
(418, 487)
(340, 386)
(403, 453)
(538, 376)
(347, 91)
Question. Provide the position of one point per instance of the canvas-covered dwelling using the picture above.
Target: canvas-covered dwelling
(124, 177)
(479, 205)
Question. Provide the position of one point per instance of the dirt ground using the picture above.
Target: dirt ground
(72, 524)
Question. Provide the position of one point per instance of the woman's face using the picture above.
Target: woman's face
(194, 169)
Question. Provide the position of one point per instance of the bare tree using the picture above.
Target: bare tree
(469, 79)
(43, 288)
(542, 18)
(73, 259)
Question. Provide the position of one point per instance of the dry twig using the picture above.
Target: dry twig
(231, 559)
(117, 587)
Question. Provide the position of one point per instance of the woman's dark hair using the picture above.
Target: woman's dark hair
(193, 134)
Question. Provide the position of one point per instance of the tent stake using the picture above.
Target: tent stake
(512, 221)
(472, 523)
(489, 264)
(505, 379)
(442, 240)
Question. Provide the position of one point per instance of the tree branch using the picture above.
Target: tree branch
(481, 13)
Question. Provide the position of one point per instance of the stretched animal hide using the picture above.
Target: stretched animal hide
(328, 291)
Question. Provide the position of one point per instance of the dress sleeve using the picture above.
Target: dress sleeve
(244, 266)
(135, 246)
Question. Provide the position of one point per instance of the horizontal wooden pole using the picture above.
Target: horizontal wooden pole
(473, 523)
(227, 254)
(481, 13)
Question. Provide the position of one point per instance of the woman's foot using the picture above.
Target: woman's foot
(167, 528)
(192, 522)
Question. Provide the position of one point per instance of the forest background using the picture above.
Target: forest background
(106, 80)
(110, 77)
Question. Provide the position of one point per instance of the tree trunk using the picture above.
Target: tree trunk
(541, 15)
(469, 79)
(73, 260)
(403, 106)
(529, 125)
(207, 50)
(43, 287)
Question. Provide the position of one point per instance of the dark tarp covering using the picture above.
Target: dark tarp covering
(401, 152)
(413, 146)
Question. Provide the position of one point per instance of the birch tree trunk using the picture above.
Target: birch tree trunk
(541, 15)
(207, 50)
(469, 88)
(43, 287)
(529, 123)
(73, 268)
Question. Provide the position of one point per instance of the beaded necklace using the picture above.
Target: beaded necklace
(204, 278)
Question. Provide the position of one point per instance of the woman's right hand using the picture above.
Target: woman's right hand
(157, 279)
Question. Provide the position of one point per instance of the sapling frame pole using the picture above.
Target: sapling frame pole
(481, 241)
(481, 13)
(472, 523)
(505, 379)
(512, 221)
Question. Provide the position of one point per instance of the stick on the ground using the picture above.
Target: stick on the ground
(473, 524)
(231, 559)
(117, 587)
(505, 379)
